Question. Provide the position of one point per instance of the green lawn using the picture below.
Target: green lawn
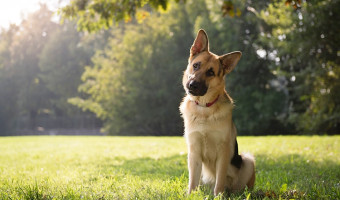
(63, 167)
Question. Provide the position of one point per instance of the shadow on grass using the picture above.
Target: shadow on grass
(294, 176)
(288, 176)
(148, 168)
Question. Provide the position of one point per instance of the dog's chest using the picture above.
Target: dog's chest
(210, 136)
(211, 143)
(212, 124)
(207, 130)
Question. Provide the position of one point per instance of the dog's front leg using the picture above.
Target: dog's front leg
(195, 169)
(221, 172)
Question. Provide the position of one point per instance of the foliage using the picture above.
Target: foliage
(62, 62)
(287, 81)
(259, 103)
(135, 82)
(306, 43)
(290, 167)
(40, 67)
(129, 79)
(23, 90)
(93, 15)
(7, 83)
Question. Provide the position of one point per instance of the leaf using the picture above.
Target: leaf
(238, 12)
(227, 8)
(248, 196)
(283, 188)
(141, 16)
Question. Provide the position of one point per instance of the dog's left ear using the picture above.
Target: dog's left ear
(230, 60)
(200, 44)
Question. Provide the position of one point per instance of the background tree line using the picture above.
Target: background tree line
(129, 74)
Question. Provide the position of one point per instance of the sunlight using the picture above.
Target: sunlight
(261, 53)
(12, 12)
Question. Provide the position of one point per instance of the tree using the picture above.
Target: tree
(286, 82)
(306, 42)
(97, 14)
(40, 67)
(135, 83)
(259, 102)
(25, 49)
(22, 92)
(128, 88)
(8, 85)
(62, 62)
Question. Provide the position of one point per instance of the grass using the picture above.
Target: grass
(60, 167)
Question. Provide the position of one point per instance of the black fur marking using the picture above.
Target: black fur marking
(210, 72)
(237, 159)
(220, 69)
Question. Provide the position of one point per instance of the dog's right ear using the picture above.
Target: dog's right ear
(200, 44)
(230, 60)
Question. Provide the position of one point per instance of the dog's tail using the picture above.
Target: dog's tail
(247, 171)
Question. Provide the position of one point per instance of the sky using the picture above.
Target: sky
(13, 11)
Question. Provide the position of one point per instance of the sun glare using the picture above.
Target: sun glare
(12, 12)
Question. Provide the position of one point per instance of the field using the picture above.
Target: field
(60, 167)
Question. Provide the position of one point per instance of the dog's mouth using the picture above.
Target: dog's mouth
(197, 92)
(196, 88)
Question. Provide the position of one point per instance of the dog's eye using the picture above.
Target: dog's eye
(196, 66)
(210, 72)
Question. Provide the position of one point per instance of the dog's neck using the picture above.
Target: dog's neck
(208, 104)
(210, 100)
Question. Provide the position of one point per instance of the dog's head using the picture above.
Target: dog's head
(206, 71)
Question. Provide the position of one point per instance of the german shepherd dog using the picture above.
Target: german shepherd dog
(209, 130)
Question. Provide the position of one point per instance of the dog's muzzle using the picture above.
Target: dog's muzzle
(196, 88)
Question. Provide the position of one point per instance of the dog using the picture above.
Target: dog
(209, 130)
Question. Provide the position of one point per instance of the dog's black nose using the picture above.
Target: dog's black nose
(193, 85)
(197, 88)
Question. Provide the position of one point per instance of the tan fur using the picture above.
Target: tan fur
(209, 131)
